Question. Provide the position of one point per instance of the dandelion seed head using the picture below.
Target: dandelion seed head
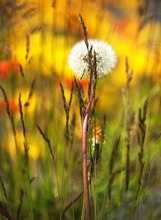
(105, 58)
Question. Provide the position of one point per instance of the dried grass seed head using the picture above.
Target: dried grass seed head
(105, 58)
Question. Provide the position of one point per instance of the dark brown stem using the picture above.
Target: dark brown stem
(84, 157)
(4, 212)
(71, 203)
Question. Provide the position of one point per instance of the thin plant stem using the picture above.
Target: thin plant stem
(84, 157)
(72, 202)
(10, 115)
(47, 140)
(91, 94)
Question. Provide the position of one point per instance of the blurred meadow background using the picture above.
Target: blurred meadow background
(40, 156)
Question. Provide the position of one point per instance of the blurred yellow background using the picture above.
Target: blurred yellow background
(54, 27)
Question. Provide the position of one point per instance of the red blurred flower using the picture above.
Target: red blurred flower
(4, 68)
(68, 81)
(13, 106)
(84, 83)
(126, 27)
(7, 66)
(14, 66)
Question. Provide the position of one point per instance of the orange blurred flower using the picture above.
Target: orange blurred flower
(13, 106)
(6, 66)
(69, 80)
(84, 83)
(14, 66)
(126, 27)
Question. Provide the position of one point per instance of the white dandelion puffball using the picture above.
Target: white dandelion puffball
(105, 58)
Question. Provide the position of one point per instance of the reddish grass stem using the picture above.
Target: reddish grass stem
(91, 95)
(84, 157)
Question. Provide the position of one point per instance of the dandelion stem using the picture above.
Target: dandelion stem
(84, 157)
